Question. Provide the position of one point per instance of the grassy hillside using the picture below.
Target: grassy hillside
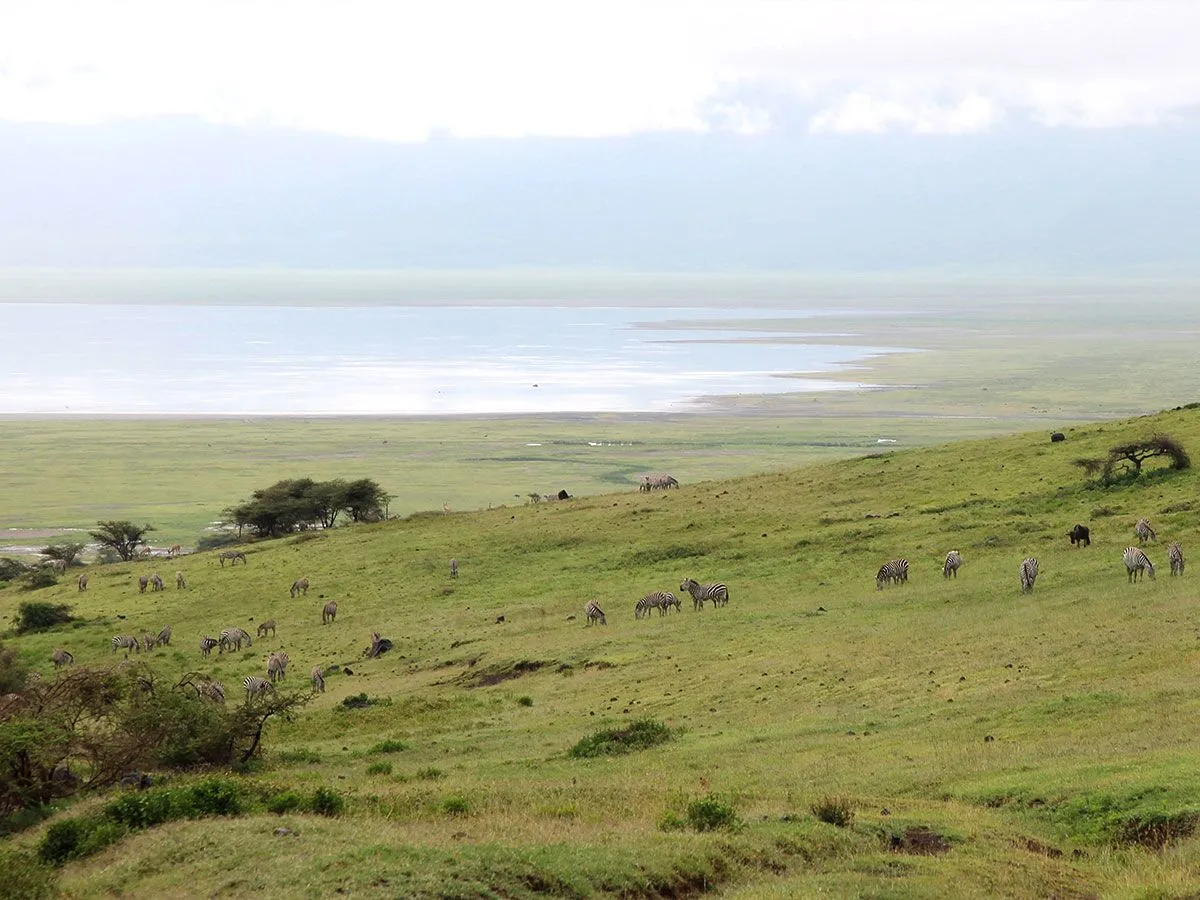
(1041, 739)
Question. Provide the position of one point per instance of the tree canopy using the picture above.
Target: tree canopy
(122, 537)
(297, 504)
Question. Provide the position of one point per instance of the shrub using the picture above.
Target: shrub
(834, 811)
(524, 701)
(388, 746)
(430, 773)
(711, 813)
(11, 569)
(213, 797)
(359, 701)
(638, 735)
(454, 805)
(63, 840)
(13, 671)
(327, 803)
(142, 810)
(36, 579)
(379, 768)
(39, 616)
(285, 802)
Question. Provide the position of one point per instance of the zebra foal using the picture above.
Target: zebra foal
(1175, 555)
(594, 613)
(329, 613)
(318, 679)
(1143, 530)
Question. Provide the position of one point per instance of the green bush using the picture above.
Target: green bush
(327, 803)
(26, 877)
(63, 840)
(455, 805)
(388, 746)
(213, 797)
(143, 809)
(638, 735)
(379, 768)
(39, 578)
(834, 811)
(285, 802)
(524, 701)
(38, 616)
(711, 813)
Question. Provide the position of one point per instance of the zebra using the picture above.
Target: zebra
(256, 687)
(299, 586)
(234, 636)
(953, 561)
(207, 644)
(1143, 530)
(1029, 574)
(714, 591)
(1137, 563)
(895, 571)
(266, 626)
(277, 664)
(453, 568)
(58, 565)
(164, 636)
(657, 482)
(62, 658)
(1175, 555)
(329, 613)
(654, 600)
(233, 556)
(211, 690)
(149, 640)
(669, 601)
(143, 583)
(156, 583)
(173, 551)
(127, 642)
(318, 679)
(83, 580)
(594, 613)
(180, 581)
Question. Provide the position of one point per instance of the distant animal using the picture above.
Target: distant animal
(139, 781)
(1137, 563)
(180, 581)
(329, 613)
(83, 580)
(126, 642)
(300, 586)
(1057, 437)
(58, 565)
(277, 664)
(156, 583)
(1175, 555)
(1029, 574)
(953, 561)
(563, 495)
(143, 583)
(318, 679)
(594, 613)
(1143, 530)
(266, 626)
(62, 658)
(207, 644)
(232, 638)
(233, 556)
(1080, 536)
(164, 636)
(670, 601)
(379, 646)
(256, 687)
(654, 600)
(174, 550)
(657, 482)
(714, 591)
(454, 568)
(893, 572)
(148, 641)
(211, 690)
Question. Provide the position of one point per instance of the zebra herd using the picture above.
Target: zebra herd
(664, 601)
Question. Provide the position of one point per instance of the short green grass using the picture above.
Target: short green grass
(1033, 734)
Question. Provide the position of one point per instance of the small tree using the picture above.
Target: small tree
(67, 553)
(121, 537)
(1133, 454)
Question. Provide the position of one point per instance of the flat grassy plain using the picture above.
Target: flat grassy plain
(1036, 735)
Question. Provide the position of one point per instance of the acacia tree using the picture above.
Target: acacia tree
(1133, 454)
(67, 553)
(121, 537)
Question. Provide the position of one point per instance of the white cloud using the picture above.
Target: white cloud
(401, 70)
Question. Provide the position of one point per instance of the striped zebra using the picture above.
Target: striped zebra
(318, 679)
(1137, 563)
(329, 613)
(953, 561)
(714, 591)
(454, 568)
(1143, 530)
(148, 641)
(58, 565)
(233, 556)
(894, 572)
(180, 581)
(83, 580)
(1175, 555)
(126, 642)
(143, 583)
(1029, 574)
(234, 637)
(62, 658)
(164, 636)
(657, 482)
(299, 586)
(256, 687)
(594, 613)
(207, 644)
(277, 664)
(211, 690)
(266, 626)
(156, 582)
(654, 600)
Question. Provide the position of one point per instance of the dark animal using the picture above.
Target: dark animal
(1057, 437)
(1080, 536)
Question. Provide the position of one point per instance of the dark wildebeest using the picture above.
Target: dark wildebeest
(1080, 536)
(1057, 437)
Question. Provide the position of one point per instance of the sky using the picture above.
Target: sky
(111, 110)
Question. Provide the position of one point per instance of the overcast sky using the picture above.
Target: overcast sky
(582, 68)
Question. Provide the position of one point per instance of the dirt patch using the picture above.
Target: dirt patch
(919, 841)
(1035, 846)
(501, 672)
(1156, 831)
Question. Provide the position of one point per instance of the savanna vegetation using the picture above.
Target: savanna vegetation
(815, 737)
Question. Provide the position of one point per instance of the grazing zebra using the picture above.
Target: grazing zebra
(156, 583)
(454, 568)
(266, 626)
(714, 591)
(164, 636)
(62, 658)
(300, 586)
(594, 613)
(83, 580)
(657, 482)
(329, 613)
(654, 600)
(895, 571)
(211, 690)
(174, 551)
(953, 561)
(669, 601)
(318, 679)
(148, 640)
(256, 687)
(1175, 555)
(1029, 574)
(207, 644)
(233, 556)
(126, 642)
(234, 636)
(180, 581)
(1143, 530)
(143, 583)
(277, 664)
(1137, 563)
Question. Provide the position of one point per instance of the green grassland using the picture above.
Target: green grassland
(1034, 734)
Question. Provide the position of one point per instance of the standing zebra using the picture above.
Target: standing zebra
(299, 586)
(83, 580)
(1143, 530)
(233, 556)
(234, 637)
(1175, 555)
(895, 571)
(953, 561)
(1137, 563)
(207, 644)
(211, 690)
(164, 636)
(594, 613)
(453, 568)
(714, 591)
(318, 679)
(266, 626)
(156, 583)
(180, 581)
(1029, 574)
(148, 641)
(62, 658)
(329, 613)
(256, 687)
(143, 583)
(277, 664)
(126, 642)
(654, 600)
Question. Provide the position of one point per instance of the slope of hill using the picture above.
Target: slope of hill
(991, 743)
